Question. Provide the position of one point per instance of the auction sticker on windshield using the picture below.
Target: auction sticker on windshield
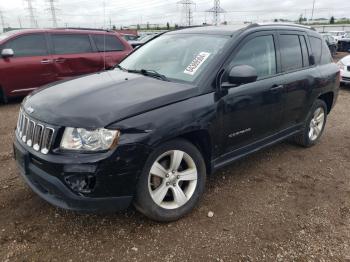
(196, 63)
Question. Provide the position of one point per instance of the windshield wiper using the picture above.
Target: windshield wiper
(146, 72)
(119, 66)
(151, 73)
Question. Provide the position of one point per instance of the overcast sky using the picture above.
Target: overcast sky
(90, 13)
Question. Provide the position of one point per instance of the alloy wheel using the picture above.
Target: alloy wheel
(172, 179)
(316, 124)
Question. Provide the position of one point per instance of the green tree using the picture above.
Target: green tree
(332, 20)
(167, 25)
(301, 19)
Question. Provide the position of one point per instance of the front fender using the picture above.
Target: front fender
(162, 124)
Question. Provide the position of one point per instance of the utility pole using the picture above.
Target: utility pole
(30, 8)
(216, 10)
(313, 9)
(52, 8)
(187, 12)
(19, 22)
(2, 19)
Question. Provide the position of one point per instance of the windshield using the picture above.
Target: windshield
(178, 57)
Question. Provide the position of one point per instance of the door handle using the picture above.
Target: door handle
(46, 61)
(276, 88)
(59, 60)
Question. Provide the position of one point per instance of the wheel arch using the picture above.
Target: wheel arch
(200, 138)
(328, 98)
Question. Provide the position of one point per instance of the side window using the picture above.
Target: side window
(107, 43)
(291, 54)
(316, 46)
(326, 54)
(28, 45)
(259, 53)
(71, 44)
(304, 50)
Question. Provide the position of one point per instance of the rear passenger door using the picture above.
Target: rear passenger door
(299, 77)
(111, 49)
(74, 55)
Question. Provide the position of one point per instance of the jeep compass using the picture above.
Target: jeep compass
(185, 104)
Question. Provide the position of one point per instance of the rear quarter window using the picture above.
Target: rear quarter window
(316, 47)
(326, 56)
(107, 43)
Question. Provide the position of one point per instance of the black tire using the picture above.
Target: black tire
(144, 201)
(3, 97)
(303, 138)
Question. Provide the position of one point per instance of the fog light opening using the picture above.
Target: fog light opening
(83, 184)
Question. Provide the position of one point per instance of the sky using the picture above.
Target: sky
(102, 13)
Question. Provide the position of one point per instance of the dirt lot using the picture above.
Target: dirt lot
(281, 204)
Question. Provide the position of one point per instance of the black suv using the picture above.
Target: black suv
(183, 105)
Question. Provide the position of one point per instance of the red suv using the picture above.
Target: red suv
(32, 58)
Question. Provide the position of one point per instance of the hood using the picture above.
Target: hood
(101, 99)
(346, 60)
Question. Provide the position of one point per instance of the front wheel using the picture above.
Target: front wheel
(314, 125)
(172, 181)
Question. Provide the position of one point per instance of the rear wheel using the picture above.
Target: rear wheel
(314, 125)
(172, 181)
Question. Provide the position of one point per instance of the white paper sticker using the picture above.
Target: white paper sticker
(196, 63)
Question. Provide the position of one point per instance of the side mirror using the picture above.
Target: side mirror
(312, 60)
(241, 74)
(7, 52)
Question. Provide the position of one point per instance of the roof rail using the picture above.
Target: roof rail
(84, 28)
(282, 24)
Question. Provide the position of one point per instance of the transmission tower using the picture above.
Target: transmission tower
(187, 12)
(2, 20)
(52, 8)
(30, 8)
(216, 11)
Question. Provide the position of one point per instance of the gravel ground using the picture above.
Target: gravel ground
(284, 203)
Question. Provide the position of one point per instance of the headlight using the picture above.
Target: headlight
(80, 139)
(341, 65)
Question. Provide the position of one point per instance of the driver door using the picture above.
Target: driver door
(253, 111)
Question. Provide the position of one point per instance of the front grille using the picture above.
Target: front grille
(34, 134)
(346, 78)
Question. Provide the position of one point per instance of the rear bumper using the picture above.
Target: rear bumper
(53, 188)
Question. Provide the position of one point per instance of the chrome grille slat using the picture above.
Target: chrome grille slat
(34, 134)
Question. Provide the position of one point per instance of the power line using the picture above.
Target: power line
(30, 8)
(187, 12)
(216, 10)
(52, 8)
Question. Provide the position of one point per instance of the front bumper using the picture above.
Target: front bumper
(113, 191)
(345, 76)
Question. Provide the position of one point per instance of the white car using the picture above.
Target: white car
(344, 65)
(338, 35)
